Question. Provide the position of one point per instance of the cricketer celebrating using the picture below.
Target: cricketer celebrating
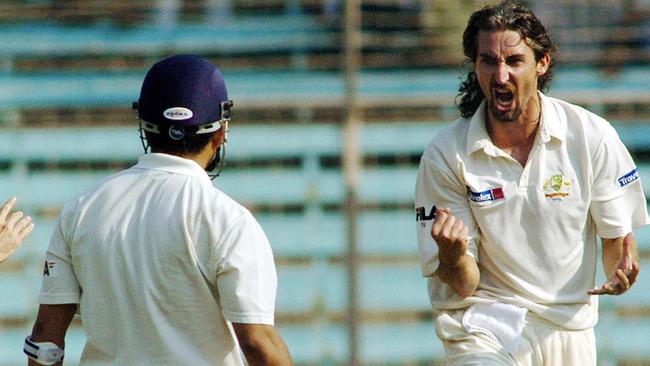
(510, 199)
(164, 268)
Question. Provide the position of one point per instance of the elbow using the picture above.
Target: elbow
(467, 290)
(469, 286)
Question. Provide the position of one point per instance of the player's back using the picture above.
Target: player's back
(143, 246)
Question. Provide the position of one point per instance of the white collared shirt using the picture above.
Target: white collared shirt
(532, 229)
(159, 260)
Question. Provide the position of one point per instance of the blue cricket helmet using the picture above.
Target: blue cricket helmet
(183, 95)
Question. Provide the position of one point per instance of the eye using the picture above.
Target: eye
(514, 61)
(488, 61)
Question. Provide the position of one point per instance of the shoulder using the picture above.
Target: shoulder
(232, 225)
(449, 141)
(226, 212)
(88, 195)
(222, 202)
(584, 130)
(575, 119)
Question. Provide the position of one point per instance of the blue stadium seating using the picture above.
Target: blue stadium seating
(245, 34)
(261, 88)
(309, 242)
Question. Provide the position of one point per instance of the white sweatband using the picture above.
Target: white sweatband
(45, 353)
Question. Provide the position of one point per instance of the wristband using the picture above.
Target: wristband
(45, 353)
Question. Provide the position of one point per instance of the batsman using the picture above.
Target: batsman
(510, 200)
(164, 268)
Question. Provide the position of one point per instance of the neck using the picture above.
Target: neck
(520, 132)
(202, 158)
(515, 138)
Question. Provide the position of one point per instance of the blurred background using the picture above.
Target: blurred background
(331, 116)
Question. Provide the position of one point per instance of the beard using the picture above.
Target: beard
(503, 116)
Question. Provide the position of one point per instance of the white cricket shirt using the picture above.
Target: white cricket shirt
(532, 229)
(160, 261)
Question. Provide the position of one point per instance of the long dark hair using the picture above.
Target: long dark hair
(507, 15)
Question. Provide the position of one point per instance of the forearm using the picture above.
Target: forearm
(462, 276)
(51, 325)
(613, 253)
(262, 345)
(621, 265)
(31, 362)
(272, 352)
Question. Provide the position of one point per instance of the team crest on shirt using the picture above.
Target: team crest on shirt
(557, 187)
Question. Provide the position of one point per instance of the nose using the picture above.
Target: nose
(502, 74)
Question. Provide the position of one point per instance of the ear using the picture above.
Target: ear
(543, 64)
(218, 138)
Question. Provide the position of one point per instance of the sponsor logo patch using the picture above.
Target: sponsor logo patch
(49, 269)
(629, 178)
(421, 214)
(492, 194)
(557, 187)
(176, 132)
(178, 113)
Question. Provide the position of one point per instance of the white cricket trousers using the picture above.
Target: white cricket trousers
(542, 344)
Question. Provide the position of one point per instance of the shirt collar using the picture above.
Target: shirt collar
(477, 135)
(551, 122)
(172, 164)
(478, 138)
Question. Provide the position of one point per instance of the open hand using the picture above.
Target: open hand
(14, 227)
(625, 274)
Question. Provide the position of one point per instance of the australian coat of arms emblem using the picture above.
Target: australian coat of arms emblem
(557, 187)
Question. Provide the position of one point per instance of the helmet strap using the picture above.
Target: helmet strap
(143, 139)
(216, 164)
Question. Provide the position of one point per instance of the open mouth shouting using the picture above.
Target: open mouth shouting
(503, 99)
(503, 106)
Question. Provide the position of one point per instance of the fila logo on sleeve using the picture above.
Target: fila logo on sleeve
(492, 194)
(421, 214)
(629, 178)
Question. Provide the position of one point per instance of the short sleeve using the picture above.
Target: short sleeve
(438, 186)
(246, 277)
(60, 284)
(618, 202)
